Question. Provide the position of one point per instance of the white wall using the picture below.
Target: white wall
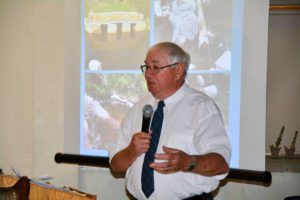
(39, 61)
(253, 88)
(32, 85)
(16, 85)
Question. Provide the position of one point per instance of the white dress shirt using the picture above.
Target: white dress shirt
(193, 124)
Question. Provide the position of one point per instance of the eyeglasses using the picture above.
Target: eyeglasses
(154, 69)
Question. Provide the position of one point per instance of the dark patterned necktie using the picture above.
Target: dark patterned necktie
(147, 172)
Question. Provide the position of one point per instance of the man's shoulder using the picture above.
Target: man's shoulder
(195, 94)
(197, 100)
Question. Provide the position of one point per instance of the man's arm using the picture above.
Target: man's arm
(210, 164)
(122, 160)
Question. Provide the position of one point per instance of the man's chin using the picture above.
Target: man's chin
(151, 90)
(154, 93)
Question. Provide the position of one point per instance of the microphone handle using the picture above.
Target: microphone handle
(146, 124)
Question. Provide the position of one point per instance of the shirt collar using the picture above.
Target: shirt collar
(176, 96)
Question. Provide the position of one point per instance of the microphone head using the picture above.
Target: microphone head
(147, 111)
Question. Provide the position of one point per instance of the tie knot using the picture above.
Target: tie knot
(161, 104)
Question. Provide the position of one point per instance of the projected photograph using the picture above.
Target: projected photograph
(116, 37)
(117, 33)
(107, 99)
(201, 27)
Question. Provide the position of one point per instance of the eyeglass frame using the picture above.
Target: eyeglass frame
(144, 68)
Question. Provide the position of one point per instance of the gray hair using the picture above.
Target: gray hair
(176, 53)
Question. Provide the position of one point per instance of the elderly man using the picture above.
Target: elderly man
(187, 150)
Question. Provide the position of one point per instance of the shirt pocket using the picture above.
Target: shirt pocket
(180, 138)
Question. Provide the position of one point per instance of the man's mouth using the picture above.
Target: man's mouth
(151, 82)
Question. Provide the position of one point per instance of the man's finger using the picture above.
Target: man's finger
(170, 150)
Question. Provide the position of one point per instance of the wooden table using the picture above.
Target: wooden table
(40, 192)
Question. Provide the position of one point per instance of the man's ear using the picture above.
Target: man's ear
(180, 70)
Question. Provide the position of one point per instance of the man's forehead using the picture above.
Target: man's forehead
(157, 56)
(152, 62)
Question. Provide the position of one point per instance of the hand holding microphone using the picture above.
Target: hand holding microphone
(140, 141)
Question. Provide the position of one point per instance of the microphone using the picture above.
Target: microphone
(147, 114)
